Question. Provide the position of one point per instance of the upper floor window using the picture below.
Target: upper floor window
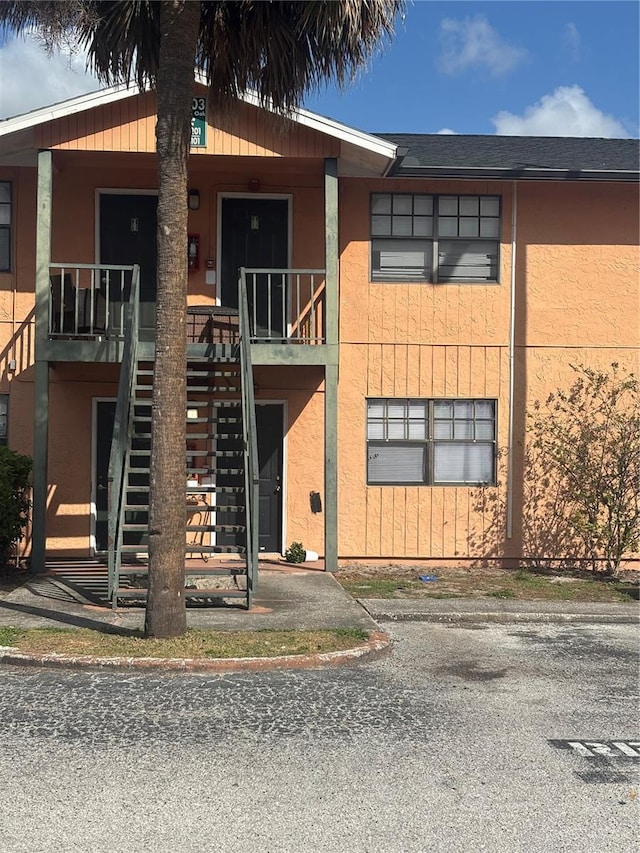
(436, 238)
(431, 442)
(5, 226)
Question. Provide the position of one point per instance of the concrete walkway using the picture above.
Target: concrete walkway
(286, 598)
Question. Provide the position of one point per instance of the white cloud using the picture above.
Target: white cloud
(573, 41)
(39, 79)
(565, 112)
(473, 43)
(446, 131)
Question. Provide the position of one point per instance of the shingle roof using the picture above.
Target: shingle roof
(516, 156)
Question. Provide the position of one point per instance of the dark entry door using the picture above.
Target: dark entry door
(269, 422)
(270, 434)
(128, 236)
(255, 234)
(105, 415)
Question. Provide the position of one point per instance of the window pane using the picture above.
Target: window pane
(490, 205)
(5, 214)
(455, 462)
(484, 408)
(381, 226)
(423, 205)
(381, 203)
(402, 226)
(463, 429)
(468, 227)
(443, 429)
(422, 226)
(417, 430)
(5, 192)
(403, 204)
(469, 205)
(396, 409)
(4, 412)
(375, 409)
(375, 429)
(485, 429)
(489, 227)
(468, 260)
(417, 409)
(463, 408)
(443, 409)
(5, 255)
(397, 430)
(396, 463)
(401, 260)
(448, 227)
(448, 205)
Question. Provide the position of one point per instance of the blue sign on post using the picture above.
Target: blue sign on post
(199, 123)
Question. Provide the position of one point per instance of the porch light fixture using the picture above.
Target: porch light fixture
(194, 199)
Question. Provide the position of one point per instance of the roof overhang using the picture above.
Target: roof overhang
(512, 174)
(360, 153)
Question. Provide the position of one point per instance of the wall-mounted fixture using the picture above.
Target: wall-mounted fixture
(194, 199)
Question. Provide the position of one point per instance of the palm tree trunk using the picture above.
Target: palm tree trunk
(166, 613)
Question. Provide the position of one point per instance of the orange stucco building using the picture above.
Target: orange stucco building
(421, 293)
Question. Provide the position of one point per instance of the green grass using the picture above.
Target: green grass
(194, 644)
(522, 584)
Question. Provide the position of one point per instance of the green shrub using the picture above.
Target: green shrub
(295, 553)
(15, 472)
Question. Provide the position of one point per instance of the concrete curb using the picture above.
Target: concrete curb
(507, 618)
(408, 613)
(378, 643)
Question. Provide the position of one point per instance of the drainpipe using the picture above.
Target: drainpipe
(512, 346)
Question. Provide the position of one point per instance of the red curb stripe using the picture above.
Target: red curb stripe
(378, 643)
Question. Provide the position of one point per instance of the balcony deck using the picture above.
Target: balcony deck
(88, 306)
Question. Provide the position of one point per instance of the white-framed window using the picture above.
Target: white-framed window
(435, 238)
(5, 226)
(431, 442)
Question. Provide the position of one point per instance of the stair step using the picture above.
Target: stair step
(234, 592)
(231, 472)
(189, 548)
(238, 570)
(215, 528)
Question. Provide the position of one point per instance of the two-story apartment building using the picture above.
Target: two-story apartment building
(392, 304)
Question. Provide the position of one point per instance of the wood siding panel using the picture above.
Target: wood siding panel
(419, 522)
(129, 125)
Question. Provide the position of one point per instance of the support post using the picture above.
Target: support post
(41, 389)
(331, 368)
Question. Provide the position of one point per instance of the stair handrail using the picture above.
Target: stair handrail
(249, 435)
(122, 431)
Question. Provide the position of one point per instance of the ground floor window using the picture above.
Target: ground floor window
(431, 442)
(4, 419)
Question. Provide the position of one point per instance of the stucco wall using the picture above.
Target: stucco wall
(577, 301)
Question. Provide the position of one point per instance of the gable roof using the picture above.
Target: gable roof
(515, 157)
(356, 146)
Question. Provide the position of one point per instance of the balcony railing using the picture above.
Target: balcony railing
(88, 300)
(286, 306)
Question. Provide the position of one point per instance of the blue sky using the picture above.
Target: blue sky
(538, 68)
